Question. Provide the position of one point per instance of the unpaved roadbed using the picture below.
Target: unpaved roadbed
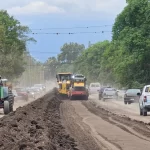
(98, 129)
(36, 126)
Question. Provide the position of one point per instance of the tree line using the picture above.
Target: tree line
(124, 61)
(15, 60)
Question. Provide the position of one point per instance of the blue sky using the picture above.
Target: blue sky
(43, 14)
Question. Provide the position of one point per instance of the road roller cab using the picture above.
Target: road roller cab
(78, 88)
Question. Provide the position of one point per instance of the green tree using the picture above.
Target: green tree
(132, 44)
(89, 63)
(50, 67)
(69, 52)
(13, 41)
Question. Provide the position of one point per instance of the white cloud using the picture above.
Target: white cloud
(103, 8)
(35, 8)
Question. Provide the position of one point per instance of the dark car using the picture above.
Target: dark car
(131, 96)
(100, 95)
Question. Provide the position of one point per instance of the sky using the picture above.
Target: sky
(89, 20)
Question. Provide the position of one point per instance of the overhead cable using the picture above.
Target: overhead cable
(79, 27)
(70, 33)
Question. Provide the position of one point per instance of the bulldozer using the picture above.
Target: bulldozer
(6, 96)
(64, 83)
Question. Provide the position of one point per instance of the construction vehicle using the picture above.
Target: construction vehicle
(78, 88)
(64, 83)
(6, 96)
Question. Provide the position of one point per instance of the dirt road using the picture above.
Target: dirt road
(98, 129)
(53, 124)
(118, 107)
(36, 126)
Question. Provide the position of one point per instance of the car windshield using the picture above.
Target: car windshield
(35, 89)
(38, 85)
(95, 85)
(109, 89)
(133, 91)
(147, 89)
(21, 90)
(30, 90)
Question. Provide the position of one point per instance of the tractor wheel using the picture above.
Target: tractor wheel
(6, 107)
(11, 107)
(10, 100)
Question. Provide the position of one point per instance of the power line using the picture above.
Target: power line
(79, 27)
(44, 52)
(70, 33)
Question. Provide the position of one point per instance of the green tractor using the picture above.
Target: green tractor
(6, 96)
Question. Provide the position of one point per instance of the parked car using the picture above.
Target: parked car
(144, 101)
(94, 87)
(109, 93)
(22, 92)
(130, 96)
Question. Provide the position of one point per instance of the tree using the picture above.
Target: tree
(131, 39)
(69, 52)
(50, 68)
(13, 41)
(90, 62)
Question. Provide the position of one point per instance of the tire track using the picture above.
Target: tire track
(133, 127)
(78, 129)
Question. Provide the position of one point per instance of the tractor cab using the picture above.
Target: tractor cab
(6, 96)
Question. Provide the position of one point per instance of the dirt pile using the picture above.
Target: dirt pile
(36, 126)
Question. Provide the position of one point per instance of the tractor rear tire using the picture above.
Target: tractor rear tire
(11, 107)
(6, 107)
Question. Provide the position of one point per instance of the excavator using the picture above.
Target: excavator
(64, 83)
(78, 88)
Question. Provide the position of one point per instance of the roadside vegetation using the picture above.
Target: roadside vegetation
(15, 60)
(124, 61)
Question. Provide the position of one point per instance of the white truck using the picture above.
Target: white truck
(144, 101)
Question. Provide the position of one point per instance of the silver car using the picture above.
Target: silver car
(144, 101)
(110, 93)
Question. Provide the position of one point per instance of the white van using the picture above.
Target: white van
(94, 87)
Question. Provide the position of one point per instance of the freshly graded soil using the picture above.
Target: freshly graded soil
(36, 126)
